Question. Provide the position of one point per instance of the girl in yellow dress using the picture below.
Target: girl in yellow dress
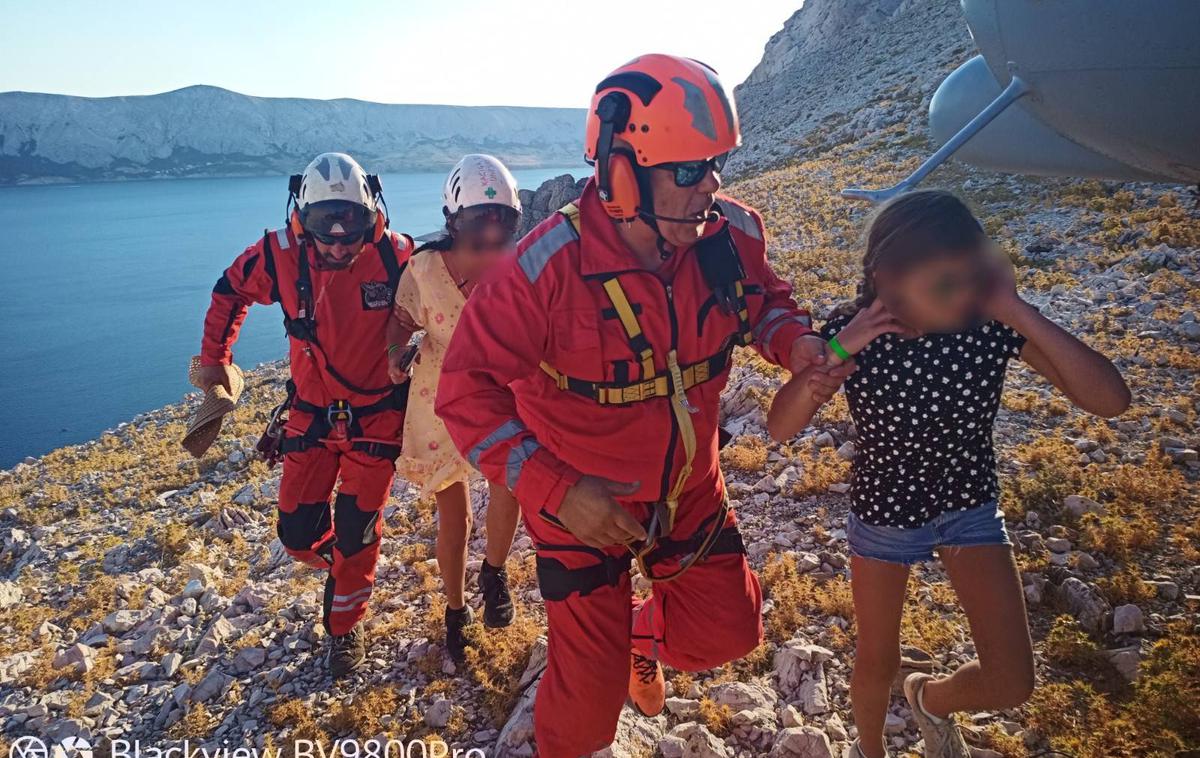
(481, 208)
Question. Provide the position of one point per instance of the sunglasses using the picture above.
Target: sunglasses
(691, 173)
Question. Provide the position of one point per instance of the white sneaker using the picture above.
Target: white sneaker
(942, 738)
(854, 750)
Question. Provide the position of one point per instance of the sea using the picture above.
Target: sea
(104, 287)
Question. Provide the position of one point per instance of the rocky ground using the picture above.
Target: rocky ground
(143, 594)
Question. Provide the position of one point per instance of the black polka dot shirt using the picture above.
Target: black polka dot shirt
(924, 410)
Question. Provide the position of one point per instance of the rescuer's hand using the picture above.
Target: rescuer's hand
(808, 350)
(823, 383)
(590, 512)
(396, 370)
(209, 376)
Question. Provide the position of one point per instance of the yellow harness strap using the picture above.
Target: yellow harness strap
(675, 381)
(633, 330)
(571, 211)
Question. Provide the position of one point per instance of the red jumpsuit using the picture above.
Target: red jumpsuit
(350, 309)
(511, 420)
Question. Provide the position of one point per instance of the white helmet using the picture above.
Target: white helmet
(336, 198)
(479, 180)
(335, 176)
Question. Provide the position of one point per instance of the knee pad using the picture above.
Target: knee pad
(299, 529)
(354, 528)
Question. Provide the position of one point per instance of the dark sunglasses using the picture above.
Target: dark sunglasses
(691, 173)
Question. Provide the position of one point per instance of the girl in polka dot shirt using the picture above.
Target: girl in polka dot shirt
(937, 320)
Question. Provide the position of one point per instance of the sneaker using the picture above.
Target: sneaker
(854, 750)
(346, 652)
(647, 688)
(497, 603)
(942, 738)
(456, 641)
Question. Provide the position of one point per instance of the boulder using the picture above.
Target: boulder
(697, 742)
(10, 594)
(801, 742)
(1084, 602)
(218, 632)
(1128, 619)
(78, 657)
(438, 714)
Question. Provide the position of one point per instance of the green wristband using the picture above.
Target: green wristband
(837, 348)
(392, 349)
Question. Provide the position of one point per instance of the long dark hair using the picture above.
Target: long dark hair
(910, 229)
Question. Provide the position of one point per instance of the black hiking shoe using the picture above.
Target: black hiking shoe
(346, 652)
(456, 641)
(497, 603)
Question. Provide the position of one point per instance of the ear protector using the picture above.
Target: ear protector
(616, 175)
(373, 184)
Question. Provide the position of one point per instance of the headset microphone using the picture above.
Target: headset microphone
(709, 217)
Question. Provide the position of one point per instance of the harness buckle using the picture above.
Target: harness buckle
(340, 416)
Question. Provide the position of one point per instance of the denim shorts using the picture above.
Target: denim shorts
(981, 525)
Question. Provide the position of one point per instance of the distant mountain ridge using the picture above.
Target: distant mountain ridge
(209, 131)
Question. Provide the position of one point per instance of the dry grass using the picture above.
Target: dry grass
(361, 716)
(746, 453)
(798, 598)
(820, 469)
(1126, 585)
(1157, 716)
(718, 718)
(497, 658)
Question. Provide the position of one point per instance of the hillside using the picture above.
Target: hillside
(143, 594)
(208, 131)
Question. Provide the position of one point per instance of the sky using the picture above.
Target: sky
(465, 52)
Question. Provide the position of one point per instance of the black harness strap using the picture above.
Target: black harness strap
(728, 541)
(557, 582)
(320, 427)
(304, 326)
(391, 264)
(269, 267)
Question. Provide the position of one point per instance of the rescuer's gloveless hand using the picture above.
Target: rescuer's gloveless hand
(209, 376)
(590, 511)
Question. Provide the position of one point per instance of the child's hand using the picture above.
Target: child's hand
(868, 324)
(822, 383)
(1001, 300)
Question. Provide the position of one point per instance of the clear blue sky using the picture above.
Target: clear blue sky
(471, 52)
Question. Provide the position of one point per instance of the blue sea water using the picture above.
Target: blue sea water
(104, 289)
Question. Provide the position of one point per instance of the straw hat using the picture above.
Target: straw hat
(205, 425)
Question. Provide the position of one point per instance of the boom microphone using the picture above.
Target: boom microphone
(708, 217)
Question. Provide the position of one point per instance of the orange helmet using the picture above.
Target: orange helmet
(675, 109)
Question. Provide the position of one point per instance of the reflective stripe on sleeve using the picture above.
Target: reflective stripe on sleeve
(535, 258)
(796, 319)
(516, 460)
(505, 431)
(768, 320)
